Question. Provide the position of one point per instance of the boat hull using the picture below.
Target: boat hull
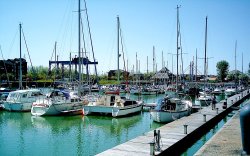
(17, 106)
(114, 111)
(167, 116)
(57, 109)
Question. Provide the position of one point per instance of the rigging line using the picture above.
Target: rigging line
(5, 67)
(92, 48)
(83, 37)
(27, 50)
(85, 50)
(122, 50)
(12, 43)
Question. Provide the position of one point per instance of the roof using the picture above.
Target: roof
(164, 73)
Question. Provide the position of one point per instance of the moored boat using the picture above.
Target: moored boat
(205, 99)
(171, 108)
(21, 100)
(58, 103)
(114, 105)
(230, 91)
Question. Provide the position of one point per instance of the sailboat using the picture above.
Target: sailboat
(204, 98)
(62, 102)
(172, 106)
(21, 100)
(112, 103)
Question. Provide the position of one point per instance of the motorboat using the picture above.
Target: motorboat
(113, 105)
(58, 103)
(21, 100)
(230, 91)
(171, 108)
(205, 99)
(217, 91)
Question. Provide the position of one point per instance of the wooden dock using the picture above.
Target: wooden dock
(174, 137)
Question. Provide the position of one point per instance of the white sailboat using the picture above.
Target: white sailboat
(114, 105)
(21, 100)
(172, 107)
(204, 98)
(58, 103)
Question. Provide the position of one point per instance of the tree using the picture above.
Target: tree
(222, 70)
(243, 79)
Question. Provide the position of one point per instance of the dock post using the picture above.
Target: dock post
(158, 141)
(217, 110)
(245, 133)
(152, 148)
(185, 129)
(224, 105)
(204, 117)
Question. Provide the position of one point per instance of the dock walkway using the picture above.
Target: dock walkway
(225, 142)
(174, 141)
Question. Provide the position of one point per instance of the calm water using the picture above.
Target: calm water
(24, 134)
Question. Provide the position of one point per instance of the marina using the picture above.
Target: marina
(62, 92)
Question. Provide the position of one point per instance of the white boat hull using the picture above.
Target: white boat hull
(17, 106)
(167, 116)
(114, 111)
(230, 93)
(44, 109)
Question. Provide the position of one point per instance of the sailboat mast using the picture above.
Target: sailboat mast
(196, 66)
(205, 59)
(79, 40)
(20, 60)
(118, 54)
(235, 74)
(177, 49)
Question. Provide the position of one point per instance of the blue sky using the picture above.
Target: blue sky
(144, 24)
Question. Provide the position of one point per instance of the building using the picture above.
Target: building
(112, 74)
(12, 66)
(163, 76)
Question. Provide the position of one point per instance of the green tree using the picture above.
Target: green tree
(243, 78)
(234, 75)
(222, 70)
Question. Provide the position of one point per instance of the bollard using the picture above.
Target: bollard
(217, 110)
(204, 118)
(185, 129)
(224, 105)
(239, 97)
(152, 148)
(245, 128)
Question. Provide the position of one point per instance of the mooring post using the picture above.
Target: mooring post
(217, 110)
(158, 141)
(185, 129)
(204, 117)
(152, 148)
